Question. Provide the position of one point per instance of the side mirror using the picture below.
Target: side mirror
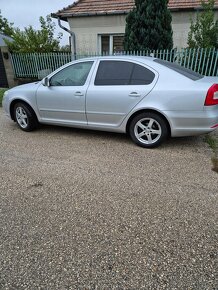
(45, 82)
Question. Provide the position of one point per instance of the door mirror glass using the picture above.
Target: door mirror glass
(45, 82)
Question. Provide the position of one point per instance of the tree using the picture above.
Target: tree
(148, 26)
(204, 31)
(29, 39)
(6, 28)
(65, 48)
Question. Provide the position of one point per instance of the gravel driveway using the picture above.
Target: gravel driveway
(91, 210)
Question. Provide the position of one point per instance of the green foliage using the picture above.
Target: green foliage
(1, 95)
(6, 28)
(212, 141)
(204, 31)
(30, 39)
(65, 48)
(148, 26)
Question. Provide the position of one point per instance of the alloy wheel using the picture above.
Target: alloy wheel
(147, 131)
(21, 117)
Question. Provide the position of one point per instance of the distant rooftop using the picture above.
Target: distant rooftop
(103, 7)
(2, 42)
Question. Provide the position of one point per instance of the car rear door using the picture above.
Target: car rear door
(118, 86)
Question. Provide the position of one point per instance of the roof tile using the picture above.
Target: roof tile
(100, 7)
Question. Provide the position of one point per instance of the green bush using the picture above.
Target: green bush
(204, 31)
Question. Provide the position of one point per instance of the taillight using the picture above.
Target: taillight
(212, 96)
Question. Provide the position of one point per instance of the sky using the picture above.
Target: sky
(27, 12)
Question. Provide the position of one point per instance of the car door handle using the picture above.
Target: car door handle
(134, 94)
(78, 94)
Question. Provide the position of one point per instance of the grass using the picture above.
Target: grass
(212, 141)
(1, 95)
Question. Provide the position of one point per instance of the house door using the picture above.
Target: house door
(3, 77)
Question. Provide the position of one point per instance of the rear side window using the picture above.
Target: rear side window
(141, 76)
(180, 69)
(112, 73)
(117, 73)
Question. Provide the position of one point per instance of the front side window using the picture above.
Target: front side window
(117, 73)
(73, 75)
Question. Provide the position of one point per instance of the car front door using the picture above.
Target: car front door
(63, 101)
(116, 89)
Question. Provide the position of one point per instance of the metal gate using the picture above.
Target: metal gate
(3, 77)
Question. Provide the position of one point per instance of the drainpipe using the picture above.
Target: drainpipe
(72, 38)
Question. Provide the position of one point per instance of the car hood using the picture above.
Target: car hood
(26, 87)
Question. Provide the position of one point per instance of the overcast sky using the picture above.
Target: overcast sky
(27, 12)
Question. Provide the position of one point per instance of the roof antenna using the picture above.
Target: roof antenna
(72, 39)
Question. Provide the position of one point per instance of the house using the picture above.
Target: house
(6, 73)
(99, 25)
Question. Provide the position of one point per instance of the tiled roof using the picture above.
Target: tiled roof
(99, 7)
(186, 4)
(102, 7)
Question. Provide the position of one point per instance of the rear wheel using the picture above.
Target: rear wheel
(148, 130)
(25, 117)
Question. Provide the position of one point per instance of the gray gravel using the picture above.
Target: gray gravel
(90, 210)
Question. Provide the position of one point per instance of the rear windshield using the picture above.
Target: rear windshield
(181, 70)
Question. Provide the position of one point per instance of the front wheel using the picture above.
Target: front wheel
(148, 130)
(25, 117)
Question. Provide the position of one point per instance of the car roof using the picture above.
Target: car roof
(148, 61)
(118, 57)
(159, 65)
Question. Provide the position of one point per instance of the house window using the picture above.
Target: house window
(105, 44)
(118, 43)
(110, 44)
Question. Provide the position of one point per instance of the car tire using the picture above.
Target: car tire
(148, 130)
(25, 117)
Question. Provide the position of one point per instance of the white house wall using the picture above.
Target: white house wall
(88, 28)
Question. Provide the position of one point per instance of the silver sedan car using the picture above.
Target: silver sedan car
(148, 98)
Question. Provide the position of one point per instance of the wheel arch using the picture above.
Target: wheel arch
(14, 102)
(146, 111)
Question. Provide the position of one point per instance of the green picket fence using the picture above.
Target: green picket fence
(32, 65)
(37, 65)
